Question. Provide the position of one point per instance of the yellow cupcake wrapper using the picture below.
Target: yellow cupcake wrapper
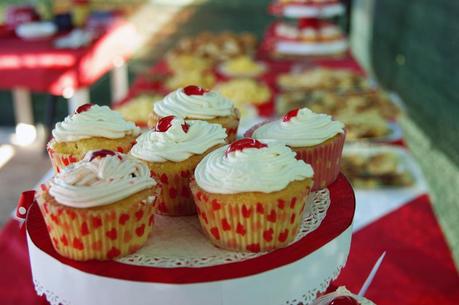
(250, 226)
(97, 233)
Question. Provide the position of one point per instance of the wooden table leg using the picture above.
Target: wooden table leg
(79, 98)
(119, 80)
(26, 133)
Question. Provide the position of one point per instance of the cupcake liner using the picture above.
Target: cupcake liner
(251, 226)
(61, 160)
(324, 158)
(175, 198)
(101, 233)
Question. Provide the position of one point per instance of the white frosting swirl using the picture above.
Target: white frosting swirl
(207, 106)
(97, 121)
(177, 145)
(306, 129)
(266, 170)
(101, 181)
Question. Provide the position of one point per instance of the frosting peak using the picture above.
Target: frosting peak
(193, 102)
(178, 143)
(300, 128)
(101, 178)
(93, 121)
(266, 169)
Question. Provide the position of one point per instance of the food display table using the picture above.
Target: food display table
(37, 66)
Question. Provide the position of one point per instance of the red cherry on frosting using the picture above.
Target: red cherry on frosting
(84, 108)
(289, 115)
(309, 23)
(101, 154)
(194, 90)
(165, 123)
(344, 300)
(244, 143)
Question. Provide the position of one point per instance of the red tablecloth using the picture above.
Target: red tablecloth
(38, 66)
(418, 268)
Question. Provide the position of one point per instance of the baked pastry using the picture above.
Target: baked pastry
(244, 92)
(137, 109)
(242, 66)
(382, 169)
(172, 150)
(250, 195)
(181, 78)
(342, 81)
(100, 207)
(193, 102)
(187, 62)
(217, 46)
(316, 138)
(310, 37)
(91, 127)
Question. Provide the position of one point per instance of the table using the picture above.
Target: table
(418, 267)
(37, 66)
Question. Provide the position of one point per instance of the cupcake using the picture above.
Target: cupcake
(196, 103)
(316, 138)
(91, 127)
(250, 195)
(172, 150)
(100, 207)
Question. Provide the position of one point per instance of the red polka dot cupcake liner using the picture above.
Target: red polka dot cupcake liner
(60, 160)
(325, 159)
(253, 226)
(175, 198)
(101, 233)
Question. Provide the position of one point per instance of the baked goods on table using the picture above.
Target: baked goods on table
(91, 127)
(181, 78)
(100, 207)
(196, 103)
(242, 66)
(244, 92)
(250, 195)
(188, 62)
(138, 108)
(381, 169)
(310, 37)
(368, 125)
(172, 150)
(316, 138)
(336, 80)
(217, 46)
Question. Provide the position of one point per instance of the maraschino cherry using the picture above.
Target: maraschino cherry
(84, 108)
(241, 144)
(101, 154)
(165, 123)
(291, 114)
(194, 90)
(309, 23)
(344, 300)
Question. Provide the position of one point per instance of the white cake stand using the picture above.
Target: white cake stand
(179, 266)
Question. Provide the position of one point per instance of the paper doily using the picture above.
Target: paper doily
(179, 241)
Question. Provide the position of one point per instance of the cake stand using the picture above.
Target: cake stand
(179, 266)
(307, 10)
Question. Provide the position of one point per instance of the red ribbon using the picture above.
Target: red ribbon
(25, 201)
